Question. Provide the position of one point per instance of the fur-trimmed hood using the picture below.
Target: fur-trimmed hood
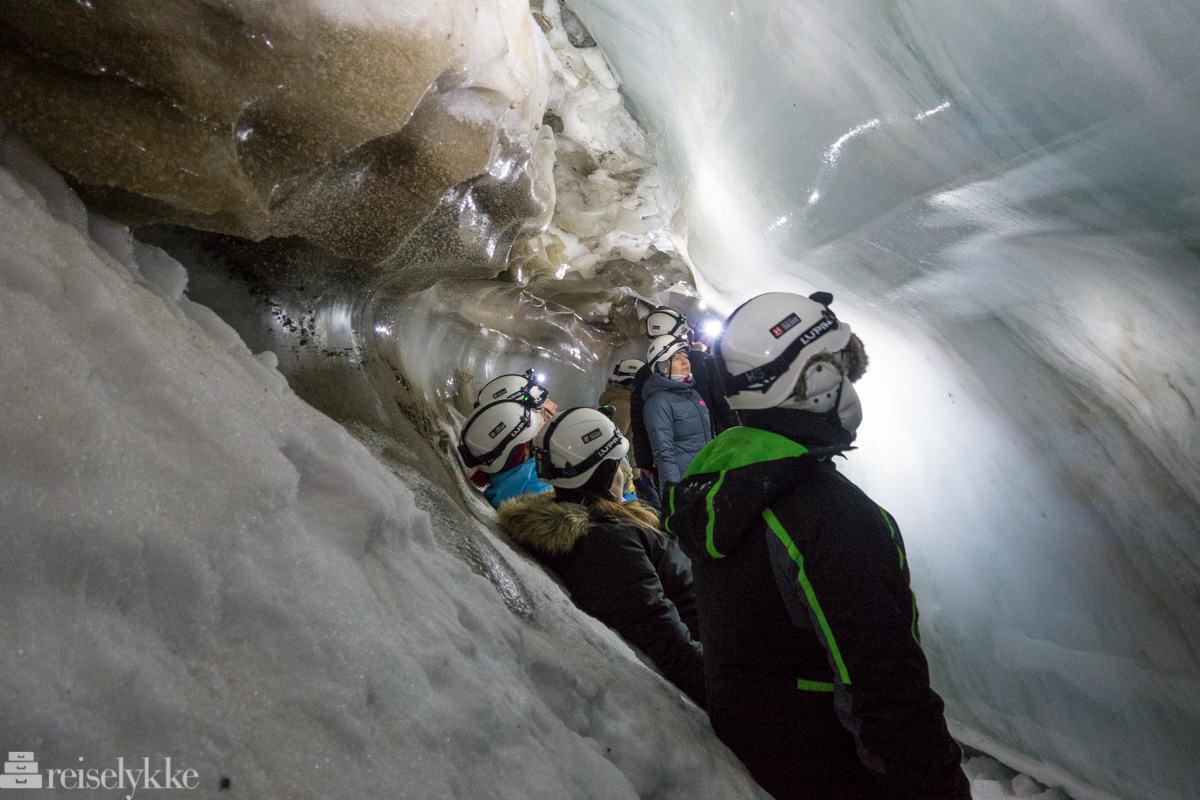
(540, 523)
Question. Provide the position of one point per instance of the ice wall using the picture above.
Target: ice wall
(1005, 198)
(196, 564)
(341, 122)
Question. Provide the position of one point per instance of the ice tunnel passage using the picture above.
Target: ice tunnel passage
(389, 201)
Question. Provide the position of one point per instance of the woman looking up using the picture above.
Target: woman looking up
(676, 418)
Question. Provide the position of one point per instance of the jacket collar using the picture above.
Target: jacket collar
(541, 523)
(519, 475)
(738, 475)
(538, 522)
(657, 383)
(813, 431)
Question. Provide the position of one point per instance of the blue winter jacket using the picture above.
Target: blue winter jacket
(677, 425)
(521, 479)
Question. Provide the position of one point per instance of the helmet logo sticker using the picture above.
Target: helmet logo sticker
(591, 436)
(499, 393)
(827, 323)
(494, 432)
(785, 325)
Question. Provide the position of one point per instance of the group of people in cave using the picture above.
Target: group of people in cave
(728, 547)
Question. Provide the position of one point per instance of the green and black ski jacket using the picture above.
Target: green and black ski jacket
(813, 664)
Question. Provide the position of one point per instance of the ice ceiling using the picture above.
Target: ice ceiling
(399, 199)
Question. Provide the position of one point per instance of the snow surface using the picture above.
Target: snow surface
(197, 564)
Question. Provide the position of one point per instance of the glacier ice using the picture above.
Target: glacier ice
(197, 563)
(1007, 195)
(387, 202)
(343, 123)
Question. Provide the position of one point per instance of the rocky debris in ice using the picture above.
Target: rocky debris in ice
(577, 34)
(341, 122)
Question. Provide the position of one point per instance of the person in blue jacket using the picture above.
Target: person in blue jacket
(675, 416)
(497, 443)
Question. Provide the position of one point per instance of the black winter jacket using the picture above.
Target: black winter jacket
(643, 455)
(704, 379)
(815, 674)
(622, 572)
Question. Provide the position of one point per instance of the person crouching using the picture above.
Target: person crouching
(614, 559)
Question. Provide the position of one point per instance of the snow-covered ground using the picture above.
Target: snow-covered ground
(197, 564)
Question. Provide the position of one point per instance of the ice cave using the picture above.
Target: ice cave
(255, 257)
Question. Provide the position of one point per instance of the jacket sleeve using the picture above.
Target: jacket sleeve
(642, 454)
(661, 431)
(852, 583)
(723, 416)
(675, 571)
(622, 589)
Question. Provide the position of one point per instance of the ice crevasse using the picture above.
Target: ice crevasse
(254, 256)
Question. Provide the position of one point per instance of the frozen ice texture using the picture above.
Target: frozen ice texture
(1005, 201)
(342, 122)
(1004, 198)
(196, 563)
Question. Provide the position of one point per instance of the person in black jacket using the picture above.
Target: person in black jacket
(704, 380)
(613, 558)
(815, 675)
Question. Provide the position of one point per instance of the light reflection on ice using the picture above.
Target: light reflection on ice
(932, 111)
(834, 151)
(1011, 197)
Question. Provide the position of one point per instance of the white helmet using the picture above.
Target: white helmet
(493, 431)
(513, 387)
(773, 341)
(573, 444)
(662, 348)
(624, 372)
(665, 322)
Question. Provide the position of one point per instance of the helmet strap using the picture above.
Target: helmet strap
(473, 461)
(762, 378)
(546, 469)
